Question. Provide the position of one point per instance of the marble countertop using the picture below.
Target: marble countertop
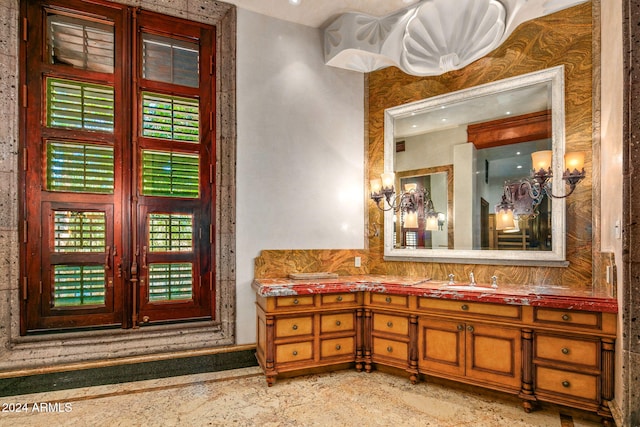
(538, 295)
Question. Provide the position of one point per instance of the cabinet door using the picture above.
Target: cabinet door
(441, 346)
(493, 354)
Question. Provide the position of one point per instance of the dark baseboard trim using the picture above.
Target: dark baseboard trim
(116, 374)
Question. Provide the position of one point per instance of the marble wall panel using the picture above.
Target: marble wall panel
(563, 38)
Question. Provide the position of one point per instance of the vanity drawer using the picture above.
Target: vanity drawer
(295, 352)
(340, 322)
(567, 383)
(348, 298)
(388, 323)
(385, 300)
(293, 326)
(433, 305)
(390, 349)
(294, 302)
(337, 347)
(567, 350)
(572, 318)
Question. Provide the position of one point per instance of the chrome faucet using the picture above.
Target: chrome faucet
(494, 282)
(472, 279)
(451, 281)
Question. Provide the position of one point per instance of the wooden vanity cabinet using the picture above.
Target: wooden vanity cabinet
(302, 332)
(454, 342)
(572, 358)
(540, 354)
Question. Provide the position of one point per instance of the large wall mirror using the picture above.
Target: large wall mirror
(459, 150)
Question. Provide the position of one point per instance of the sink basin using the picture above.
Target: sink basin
(469, 288)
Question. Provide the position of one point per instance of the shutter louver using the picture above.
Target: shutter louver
(169, 174)
(85, 168)
(170, 282)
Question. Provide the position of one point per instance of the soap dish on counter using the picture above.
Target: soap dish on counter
(318, 275)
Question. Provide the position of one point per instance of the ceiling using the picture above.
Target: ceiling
(317, 13)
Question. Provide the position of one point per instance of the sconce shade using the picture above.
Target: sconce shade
(376, 186)
(574, 160)
(411, 220)
(388, 179)
(504, 218)
(541, 160)
(432, 222)
(410, 187)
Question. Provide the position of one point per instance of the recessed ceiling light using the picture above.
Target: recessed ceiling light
(519, 166)
(508, 112)
(295, 2)
(517, 153)
(444, 120)
(414, 126)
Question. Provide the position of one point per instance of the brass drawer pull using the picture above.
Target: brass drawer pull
(295, 327)
(565, 350)
(338, 346)
(388, 299)
(390, 324)
(295, 353)
(460, 327)
(338, 323)
(465, 307)
(339, 298)
(470, 328)
(566, 384)
(295, 301)
(389, 349)
(566, 317)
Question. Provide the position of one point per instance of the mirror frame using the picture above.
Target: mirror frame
(555, 257)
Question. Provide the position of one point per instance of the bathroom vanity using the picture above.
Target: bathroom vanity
(544, 344)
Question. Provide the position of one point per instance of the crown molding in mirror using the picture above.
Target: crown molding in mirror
(430, 37)
(555, 257)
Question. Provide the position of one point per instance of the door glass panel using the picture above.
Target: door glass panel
(77, 105)
(170, 174)
(78, 285)
(170, 282)
(79, 231)
(86, 168)
(170, 232)
(87, 45)
(170, 60)
(170, 117)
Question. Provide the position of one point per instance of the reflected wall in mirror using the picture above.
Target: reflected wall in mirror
(478, 139)
(433, 227)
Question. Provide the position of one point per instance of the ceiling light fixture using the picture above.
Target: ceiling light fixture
(295, 2)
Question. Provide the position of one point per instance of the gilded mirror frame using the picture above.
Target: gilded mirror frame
(555, 257)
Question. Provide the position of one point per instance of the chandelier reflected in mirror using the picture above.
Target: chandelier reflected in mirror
(409, 202)
(520, 199)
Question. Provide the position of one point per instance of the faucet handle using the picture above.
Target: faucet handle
(451, 281)
(494, 282)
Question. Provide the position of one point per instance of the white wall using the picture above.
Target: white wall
(611, 159)
(300, 160)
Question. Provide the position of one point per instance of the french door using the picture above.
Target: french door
(117, 180)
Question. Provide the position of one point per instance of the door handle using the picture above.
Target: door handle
(107, 258)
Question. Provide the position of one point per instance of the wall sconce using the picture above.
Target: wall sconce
(407, 202)
(522, 198)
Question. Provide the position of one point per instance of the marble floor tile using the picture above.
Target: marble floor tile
(241, 397)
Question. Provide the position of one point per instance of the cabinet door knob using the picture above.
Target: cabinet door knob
(388, 299)
(465, 307)
(390, 324)
(338, 323)
(565, 350)
(295, 301)
(566, 384)
(295, 327)
(295, 353)
(339, 298)
(338, 346)
(460, 327)
(566, 317)
(389, 349)
(470, 328)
